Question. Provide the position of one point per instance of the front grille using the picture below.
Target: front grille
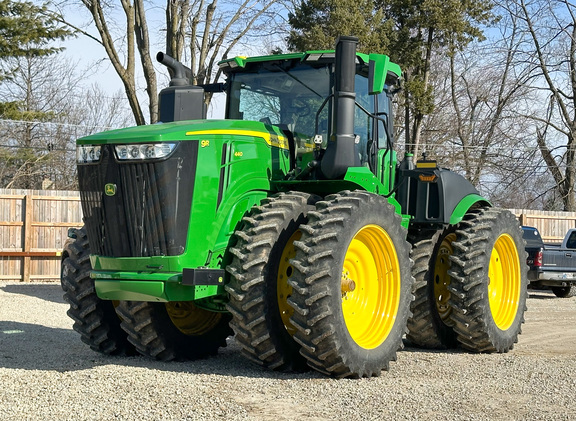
(149, 213)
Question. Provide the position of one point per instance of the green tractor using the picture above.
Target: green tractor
(290, 223)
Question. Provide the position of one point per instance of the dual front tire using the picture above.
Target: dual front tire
(94, 319)
(352, 285)
(163, 331)
(174, 330)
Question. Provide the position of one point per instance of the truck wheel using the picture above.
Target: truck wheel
(489, 281)
(177, 330)
(259, 288)
(352, 285)
(94, 319)
(564, 292)
(430, 325)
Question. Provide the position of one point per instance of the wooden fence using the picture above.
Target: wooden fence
(552, 225)
(33, 229)
(34, 226)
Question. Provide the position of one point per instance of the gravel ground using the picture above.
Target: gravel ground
(47, 373)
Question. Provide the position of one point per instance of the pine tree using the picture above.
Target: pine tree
(27, 31)
(409, 31)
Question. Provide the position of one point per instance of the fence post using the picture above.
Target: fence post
(27, 234)
(523, 219)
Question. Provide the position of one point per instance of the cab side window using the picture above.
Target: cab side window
(363, 124)
(383, 112)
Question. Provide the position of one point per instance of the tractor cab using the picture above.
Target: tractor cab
(295, 92)
(327, 110)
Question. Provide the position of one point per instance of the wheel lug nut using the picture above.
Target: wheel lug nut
(348, 285)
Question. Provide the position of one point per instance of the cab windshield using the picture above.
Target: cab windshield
(282, 94)
(290, 94)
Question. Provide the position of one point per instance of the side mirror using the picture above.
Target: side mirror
(376, 75)
(381, 71)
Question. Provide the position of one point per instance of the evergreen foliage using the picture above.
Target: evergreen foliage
(409, 31)
(27, 32)
(27, 29)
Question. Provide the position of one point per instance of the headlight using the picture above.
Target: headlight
(144, 151)
(86, 154)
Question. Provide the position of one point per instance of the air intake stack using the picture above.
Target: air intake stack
(340, 152)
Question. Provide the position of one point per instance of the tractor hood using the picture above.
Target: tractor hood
(185, 130)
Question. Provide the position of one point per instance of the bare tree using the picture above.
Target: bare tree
(49, 110)
(121, 49)
(36, 90)
(485, 89)
(210, 31)
(478, 127)
(220, 35)
(550, 55)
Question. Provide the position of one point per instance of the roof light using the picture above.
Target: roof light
(313, 57)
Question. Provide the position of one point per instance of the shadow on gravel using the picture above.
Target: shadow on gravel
(28, 346)
(228, 362)
(409, 348)
(542, 295)
(48, 292)
(36, 347)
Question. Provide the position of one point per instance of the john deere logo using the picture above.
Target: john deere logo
(110, 189)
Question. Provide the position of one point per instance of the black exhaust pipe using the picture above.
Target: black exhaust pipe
(180, 101)
(181, 75)
(340, 153)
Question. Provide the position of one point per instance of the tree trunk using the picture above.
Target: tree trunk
(419, 114)
(126, 73)
(143, 44)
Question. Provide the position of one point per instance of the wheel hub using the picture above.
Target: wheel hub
(504, 282)
(346, 284)
(370, 286)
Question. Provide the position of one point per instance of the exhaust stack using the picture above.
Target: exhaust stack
(180, 101)
(340, 153)
(181, 74)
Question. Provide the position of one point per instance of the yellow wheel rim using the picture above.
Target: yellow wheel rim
(504, 282)
(283, 289)
(370, 286)
(441, 277)
(191, 320)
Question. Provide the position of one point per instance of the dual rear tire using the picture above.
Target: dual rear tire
(471, 290)
(325, 286)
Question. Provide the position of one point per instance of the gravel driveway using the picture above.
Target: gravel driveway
(47, 373)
